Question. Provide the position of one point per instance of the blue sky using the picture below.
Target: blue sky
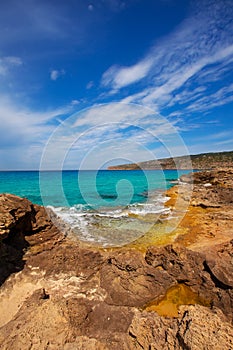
(107, 81)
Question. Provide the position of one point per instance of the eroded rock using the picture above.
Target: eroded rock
(129, 281)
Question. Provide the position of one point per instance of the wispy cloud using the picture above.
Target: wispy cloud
(8, 62)
(24, 133)
(174, 70)
(220, 135)
(205, 103)
(119, 77)
(90, 84)
(132, 132)
(75, 102)
(55, 74)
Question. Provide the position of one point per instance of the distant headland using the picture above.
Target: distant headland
(199, 161)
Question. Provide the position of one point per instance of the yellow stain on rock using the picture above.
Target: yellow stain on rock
(175, 296)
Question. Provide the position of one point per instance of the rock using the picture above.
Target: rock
(129, 281)
(40, 324)
(200, 328)
(84, 343)
(15, 221)
(196, 328)
(220, 265)
(194, 270)
(187, 178)
(208, 216)
(15, 213)
(184, 265)
(19, 221)
(212, 187)
(98, 319)
(150, 331)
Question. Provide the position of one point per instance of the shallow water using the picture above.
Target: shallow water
(175, 296)
(109, 208)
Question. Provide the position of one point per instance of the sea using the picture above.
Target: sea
(107, 208)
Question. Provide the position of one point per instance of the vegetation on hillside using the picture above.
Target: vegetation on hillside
(198, 161)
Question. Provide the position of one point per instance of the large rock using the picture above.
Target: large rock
(199, 328)
(196, 328)
(20, 220)
(219, 262)
(129, 281)
(16, 219)
(209, 274)
(15, 215)
(19, 217)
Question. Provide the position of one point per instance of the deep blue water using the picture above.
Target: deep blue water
(94, 189)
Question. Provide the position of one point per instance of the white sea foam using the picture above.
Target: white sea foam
(98, 225)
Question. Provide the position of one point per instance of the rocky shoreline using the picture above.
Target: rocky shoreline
(61, 294)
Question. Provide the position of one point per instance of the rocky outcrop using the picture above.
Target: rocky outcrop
(20, 220)
(70, 295)
(195, 328)
(103, 306)
(206, 274)
(209, 211)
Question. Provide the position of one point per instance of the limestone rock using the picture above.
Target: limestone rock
(220, 264)
(15, 213)
(19, 221)
(151, 331)
(183, 264)
(200, 328)
(196, 328)
(129, 281)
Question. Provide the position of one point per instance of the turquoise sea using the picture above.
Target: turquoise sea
(91, 202)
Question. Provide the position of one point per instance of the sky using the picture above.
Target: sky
(87, 84)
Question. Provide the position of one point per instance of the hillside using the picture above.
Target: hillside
(199, 161)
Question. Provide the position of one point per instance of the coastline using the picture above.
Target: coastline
(203, 161)
(71, 295)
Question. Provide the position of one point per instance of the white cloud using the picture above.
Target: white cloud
(200, 48)
(119, 77)
(216, 99)
(55, 74)
(90, 84)
(113, 112)
(178, 79)
(111, 131)
(24, 133)
(8, 62)
(220, 135)
(13, 60)
(75, 102)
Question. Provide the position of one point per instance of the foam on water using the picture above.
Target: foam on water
(109, 208)
(113, 227)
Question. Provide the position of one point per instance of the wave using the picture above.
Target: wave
(113, 226)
